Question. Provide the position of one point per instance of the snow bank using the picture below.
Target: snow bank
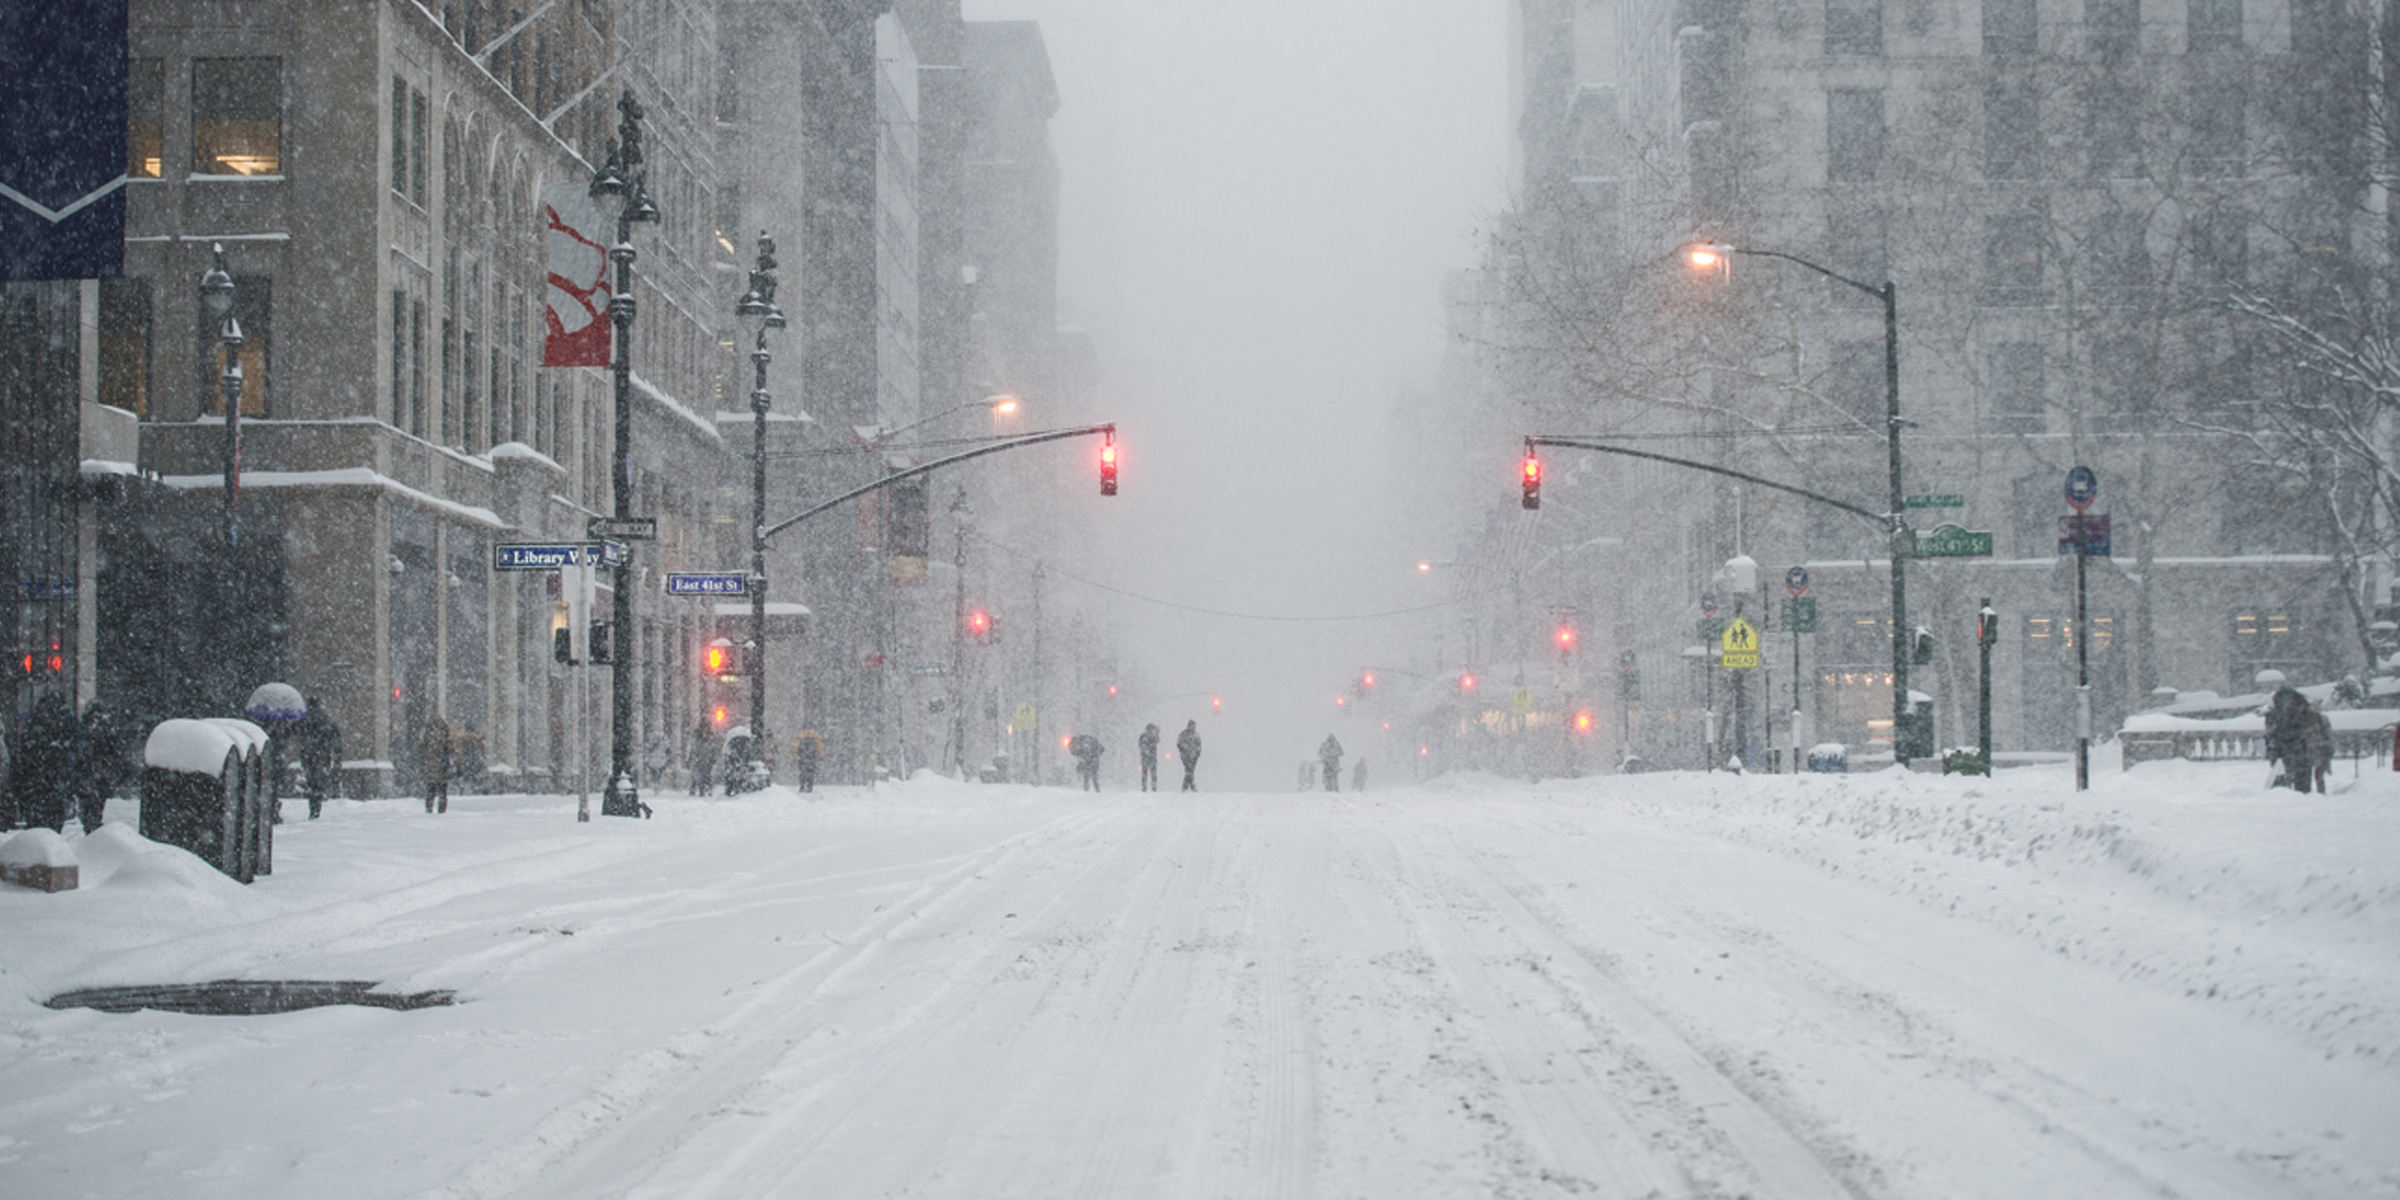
(36, 848)
(198, 747)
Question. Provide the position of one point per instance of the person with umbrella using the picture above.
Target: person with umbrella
(319, 743)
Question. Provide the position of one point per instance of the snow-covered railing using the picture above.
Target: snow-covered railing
(2150, 737)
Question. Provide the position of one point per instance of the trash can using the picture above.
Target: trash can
(201, 788)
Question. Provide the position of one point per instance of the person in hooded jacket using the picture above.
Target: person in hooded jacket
(1330, 754)
(1147, 744)
(433, 762)
(805, 753)
(45, 780)
(318, 741)
(2318, 736)
(2287, 737)
(103, 765)
(1187, 749)
(1087, 751)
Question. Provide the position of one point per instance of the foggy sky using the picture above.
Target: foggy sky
(1259, 198)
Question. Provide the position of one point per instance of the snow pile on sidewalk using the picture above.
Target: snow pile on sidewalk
(2185, 876)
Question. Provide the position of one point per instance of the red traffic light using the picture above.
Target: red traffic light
(1216, 704)
(1533, 478)
(716, 658)
(1108, 466)
(1583, 721)
(1466, 682)
(979, 624)
(1565, 638)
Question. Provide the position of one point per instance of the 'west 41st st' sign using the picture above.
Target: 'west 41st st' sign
(1953, 541)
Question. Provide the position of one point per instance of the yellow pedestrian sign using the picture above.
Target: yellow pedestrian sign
(1022, 719)
(1520, 702)
(1741, 646)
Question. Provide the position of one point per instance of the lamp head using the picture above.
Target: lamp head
(758, 303)
(608, 183)
(1003, 404)
(216, 286)
(1708, 254)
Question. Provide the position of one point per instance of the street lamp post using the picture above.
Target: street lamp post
(216, 297)
(619, 188)
(1903, 542)
(758, 307)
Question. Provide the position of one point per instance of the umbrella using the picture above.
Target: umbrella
(275, 702)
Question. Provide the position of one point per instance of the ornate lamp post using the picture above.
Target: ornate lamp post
(758, 307)
(216, 299)
(619, 189)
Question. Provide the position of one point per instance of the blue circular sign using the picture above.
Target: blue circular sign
(1625, 660)
(1708, 604)
(1795, 581)
(2082, 485)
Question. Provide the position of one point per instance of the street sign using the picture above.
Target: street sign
(45, 589)
(632, 529)
(724, 583)
(542, 556)
(2089, 529)
(1708, 604)
(1520, 701)
(1953, 541)
(1710, 627)
(1022, 719)
(1936, 500)
(1629, 685)
(1795, 581)
(1740, 643)
(1625, 660)
(2082, 485)
(929, 669)
(1800, 615)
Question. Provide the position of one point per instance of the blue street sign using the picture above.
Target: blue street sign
(1625, 660)
(1795, 581)
(2082, 485)
(1708, 604)
(726, 584)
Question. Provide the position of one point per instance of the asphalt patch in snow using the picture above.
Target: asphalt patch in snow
(245, 997)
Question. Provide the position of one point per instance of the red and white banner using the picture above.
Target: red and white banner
(578, 293)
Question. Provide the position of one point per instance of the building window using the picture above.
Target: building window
(401, 416)
(2017, 401)
(2116, 139)
(1853, 26)
(2270, 512)
(1857, 246)
(2113, 26)
(2213, 26)
(254, 307)
(2117, 253)
(237, 116)
(729, 90)
(2124, 375)
(1854, 135)
(2012, 134)
(2036, 503)
(416, 356)
(125, 345)
(408, 141)
(2275, 637)
(2012, 261)
(145, 117)
(2218, 151)
(416, 147)
(2009, 26)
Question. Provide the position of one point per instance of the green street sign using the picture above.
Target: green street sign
(1936, 500)
(1800, 615)
(1629, 685)
(1710, 630)
(1952, 541)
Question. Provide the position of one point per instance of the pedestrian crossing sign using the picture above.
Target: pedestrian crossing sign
(1740, 643)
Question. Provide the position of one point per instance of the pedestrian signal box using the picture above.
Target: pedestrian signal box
(1533, 478)
(1108, 466)
(717, 659)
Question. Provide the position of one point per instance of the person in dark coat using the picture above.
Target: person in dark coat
(1330, 754)
(703, 760)
(103, 765)
(2318, 735)
(2287, 736)
(1087, 751)
(1147, 744)
(433, 762)
(45, 780)
(805, 752)
(1187, 749)
(318, 741)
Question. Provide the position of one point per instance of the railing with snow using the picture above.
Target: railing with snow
(2152, 737)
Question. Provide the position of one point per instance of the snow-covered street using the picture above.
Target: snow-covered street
(1881, 985)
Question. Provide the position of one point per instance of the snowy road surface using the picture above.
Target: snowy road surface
(1673, 985)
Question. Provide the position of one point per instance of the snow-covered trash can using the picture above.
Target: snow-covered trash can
(39, 859)
(201, 783)
(1829, 758)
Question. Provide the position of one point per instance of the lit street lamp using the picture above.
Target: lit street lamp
(1903, 542)
(216, 298)
(758, 307)
(619, 189)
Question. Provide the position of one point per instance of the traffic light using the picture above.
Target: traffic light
(979, 625)
(1565, 637)
(601, 648)
(719, 714)
(562, 645)
(1921, 647)
(1216, 704)
(1466, 681)
(1533, 478)
(1368, 679)
(1108, 466)
(716, 658)
(1583, 721)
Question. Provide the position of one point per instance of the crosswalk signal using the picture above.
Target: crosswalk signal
(1108, 466)
(716, 658)
(601, 650)
(1533, 478)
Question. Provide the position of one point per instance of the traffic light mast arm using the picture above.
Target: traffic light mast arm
(1031, 439)
(1571, 443)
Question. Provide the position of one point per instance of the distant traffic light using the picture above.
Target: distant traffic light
(1583, 721)
(716, 658)
(1466, 681)
(1533, 478)
(1565, 637)
(601, 648)
(1108, 466)
(979, 625)
(1216, 704)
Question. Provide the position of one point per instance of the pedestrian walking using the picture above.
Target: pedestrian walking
(1330, 754)
(2318, 736)
(8, 795)
(433, 763)
(1087, 751)
(703, 759)
(2287, 738)
(103, 765)
(319, 744)
(1147, 744)
(806, 752)
(44, 781)
(1187, 749)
